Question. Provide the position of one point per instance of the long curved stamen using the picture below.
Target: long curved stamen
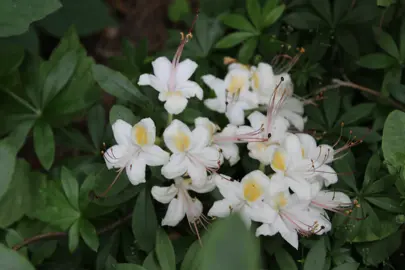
(102, 195)
(301, 228)
(274, 107)
(253, 136)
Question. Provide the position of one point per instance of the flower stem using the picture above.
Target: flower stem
(262, 167)
(169, 118)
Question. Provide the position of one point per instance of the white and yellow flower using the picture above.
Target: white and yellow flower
(180, 202)
(192, 153)
(245, 197)
(135, 149)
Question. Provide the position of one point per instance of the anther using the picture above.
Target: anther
(269, 135)
(282, 79)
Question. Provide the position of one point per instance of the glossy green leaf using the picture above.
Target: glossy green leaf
(385, 183)
(12, 56)
(402, 40)
(70, 187)
(356, 114)
(12, 260)
(376, 61)
(315, 259)
(144, 221)
(365, 133)
(44, 143)
(164, 251)
(341, 166)
(129, 266)
(89, 234)
(271, 17)
(222, 241)
(151, 262)
(191, 255)
(331, 106)
(16, 16)
(373, 167)
(177, 9)
(303, 20)
(96, 124)
(392, 143)
(74, 236)
(233, 39)
(254, 11)
(324, 9)
(397, 91)
(348, 41)
(284, 260)
(386, 203)
(7, 165)
(247, 50)
(120, 112)
(340, 8)
(239, 22)
(386, 42)
(347, 266)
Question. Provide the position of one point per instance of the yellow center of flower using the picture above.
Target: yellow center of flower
(255, 79)
(302, 151)
(140, 134)
(278, 161)
(187, 181)
(174, 93)
(252, 190)
(280, 200)
(236, 85)
(181, 141)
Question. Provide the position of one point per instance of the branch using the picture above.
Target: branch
(369, 91)
(39, 237)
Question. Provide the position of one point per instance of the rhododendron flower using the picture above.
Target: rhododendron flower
(135, 149)
(180, 202)
(230, 150)
(192, 153)
(245, 197)
(333, 201)
(232, 96)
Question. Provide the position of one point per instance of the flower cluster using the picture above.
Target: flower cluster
(291, 201)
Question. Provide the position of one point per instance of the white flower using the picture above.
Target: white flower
(330, 200)
(135, 149)
(192, 153)
(294, 217)
(290, 166)
(183, 204)
(171, 80)
(230, 150)
(245, 197)
(232, 95)
(263, 150)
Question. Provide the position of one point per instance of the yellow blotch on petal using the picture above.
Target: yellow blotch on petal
(174, 93)
(280, 200)
(182, 141)
(187, 181)
(252, 191)
(255, 79)
(278, 161)
(302, 152)
(236, 85)
(140, 134)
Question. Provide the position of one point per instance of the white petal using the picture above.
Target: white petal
(177, 136)
(230, 190)
(323, 154)
(200, 138)
(175, 104)
(191, 89)
(245, 215)
(116, 156)
(277, 184)
(175, 213)
(221, 208)
(208, 186)
(153, 81)
(122, 132)
(256, 119)
(337, 198)
(291, 237)
(210, 157)
(295, 119)
(230, 152)
(262, 212)
(197, 172)
(184, 70)
(194, 210)
(308, 143)
(144, 132)
(164, 194)
(327, 174)
(177, 166)
(235, 115)
(278, 129)
(162, 68)
(266, 230)
(217, 85)
(136, 171)
(293, 147)
(294, 105)
(301, 187)
(258, 176)
(154, 155)
(215, 104)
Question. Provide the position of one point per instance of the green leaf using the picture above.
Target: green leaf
(88, 17)
(221, 241)
(128, 266)
(386, 203)
(165, 251)
(74, 236)
(191, 255)
(402, 40)
(12, 260)
(373, 167)
(347, 266)
(341, 166)
(70, 187)
(178, 9)
(253, 9)
(7, 164)
(324, 10)
(303, 20)
(16, 16)
(331, 106)
(116, 84)
(366, 134)
(12, 56)
(144, 222)
(239, 22)
(376, 61)
(60, 71)
(247, 50)
(120, 112)
(340, 8)
(392, 143)
(386, 42)
(382, 184)
(151, 262)
(96, 124)
(348, 41)
(397, 91)
(44, 143)
(18, 196)
(89, 234)
(284, 260)
(391, 76)
(356, 114)
(233, 39)
(271, 17)
(315, 259)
